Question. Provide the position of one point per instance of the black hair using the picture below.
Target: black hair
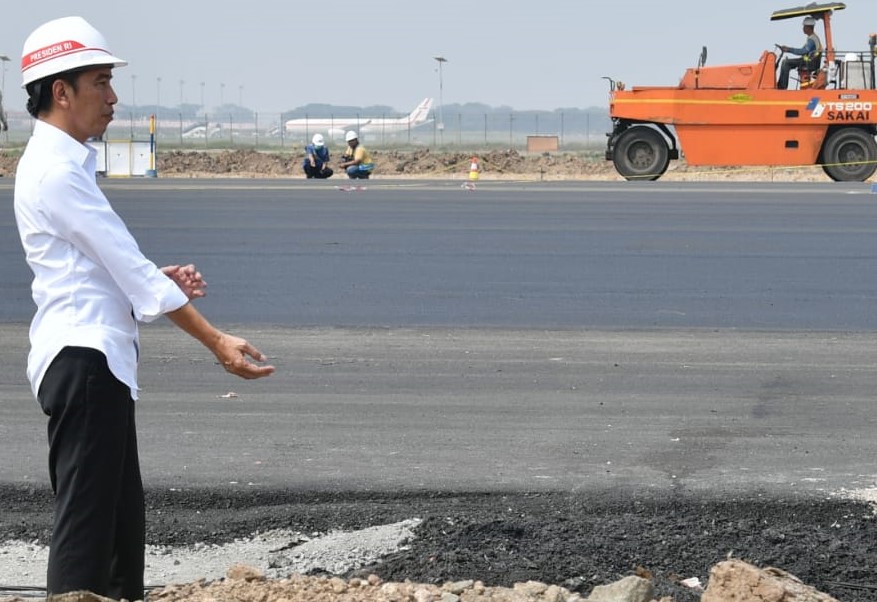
(39, 93)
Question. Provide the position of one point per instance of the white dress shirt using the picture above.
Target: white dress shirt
(91, 282)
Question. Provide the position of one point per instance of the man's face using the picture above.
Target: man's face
(91, 103)
(353, 142)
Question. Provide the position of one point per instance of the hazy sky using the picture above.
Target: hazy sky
(277, 55)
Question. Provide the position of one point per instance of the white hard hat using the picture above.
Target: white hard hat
(318, 140)
(63, 45)
(351, 135)
(809, 22)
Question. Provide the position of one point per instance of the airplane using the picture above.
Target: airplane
(336, 127)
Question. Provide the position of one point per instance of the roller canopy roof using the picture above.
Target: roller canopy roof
(814, 10)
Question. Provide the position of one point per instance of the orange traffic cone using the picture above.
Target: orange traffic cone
(474, 169)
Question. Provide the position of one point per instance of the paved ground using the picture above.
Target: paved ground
(566, 457)
(542, 437)
(510, 255)
(526, 410)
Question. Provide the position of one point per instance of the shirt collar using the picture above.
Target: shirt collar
(63, 143)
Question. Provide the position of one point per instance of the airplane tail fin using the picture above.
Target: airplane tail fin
(420, 113)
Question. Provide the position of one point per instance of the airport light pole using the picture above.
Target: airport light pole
(182, 83)
(203, 108)
(133, 102)
(221, 94)
(441, 122)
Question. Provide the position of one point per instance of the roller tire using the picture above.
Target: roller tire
(641, 153)
(849, 155)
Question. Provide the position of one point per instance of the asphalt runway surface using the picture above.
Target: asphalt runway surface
(559, 255)
(670, 347)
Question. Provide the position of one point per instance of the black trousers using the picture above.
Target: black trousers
(785, 70)
(98, 537)
(318, 171)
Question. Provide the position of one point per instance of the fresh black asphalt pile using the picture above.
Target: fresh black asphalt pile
(573, 540)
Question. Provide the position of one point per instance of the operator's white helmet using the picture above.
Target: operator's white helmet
(351, 135)
(63, 45)
(317, 140)
(809, 22)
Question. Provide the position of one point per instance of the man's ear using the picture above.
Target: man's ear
(61, 93)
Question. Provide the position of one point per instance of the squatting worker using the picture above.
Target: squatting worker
(316, 163)
(91, 286)
(356, 160)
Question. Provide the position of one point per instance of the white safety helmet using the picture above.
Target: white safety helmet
(317, 140)
(63, 45)
(351, 135)
(809, 22)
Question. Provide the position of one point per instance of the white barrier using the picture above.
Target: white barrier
(123, 158)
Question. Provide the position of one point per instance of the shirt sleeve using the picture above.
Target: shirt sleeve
(808, 48)
(81, 215)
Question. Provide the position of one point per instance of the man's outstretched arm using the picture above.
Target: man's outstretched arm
(231, 351)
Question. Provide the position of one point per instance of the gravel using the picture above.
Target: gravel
(278, 553)
(573, 541)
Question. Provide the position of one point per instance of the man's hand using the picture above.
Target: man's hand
(232, 352)
(188, 279)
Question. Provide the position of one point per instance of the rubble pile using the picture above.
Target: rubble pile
(731, 580)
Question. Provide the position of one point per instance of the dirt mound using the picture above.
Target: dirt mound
(224, 163)
(494, 165)
(420, 163)
(8, 161)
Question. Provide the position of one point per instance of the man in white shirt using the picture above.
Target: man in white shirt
(92, 285)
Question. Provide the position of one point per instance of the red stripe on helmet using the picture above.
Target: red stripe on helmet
(53, 51)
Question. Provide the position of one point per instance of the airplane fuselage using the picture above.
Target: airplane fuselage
(336, 127)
